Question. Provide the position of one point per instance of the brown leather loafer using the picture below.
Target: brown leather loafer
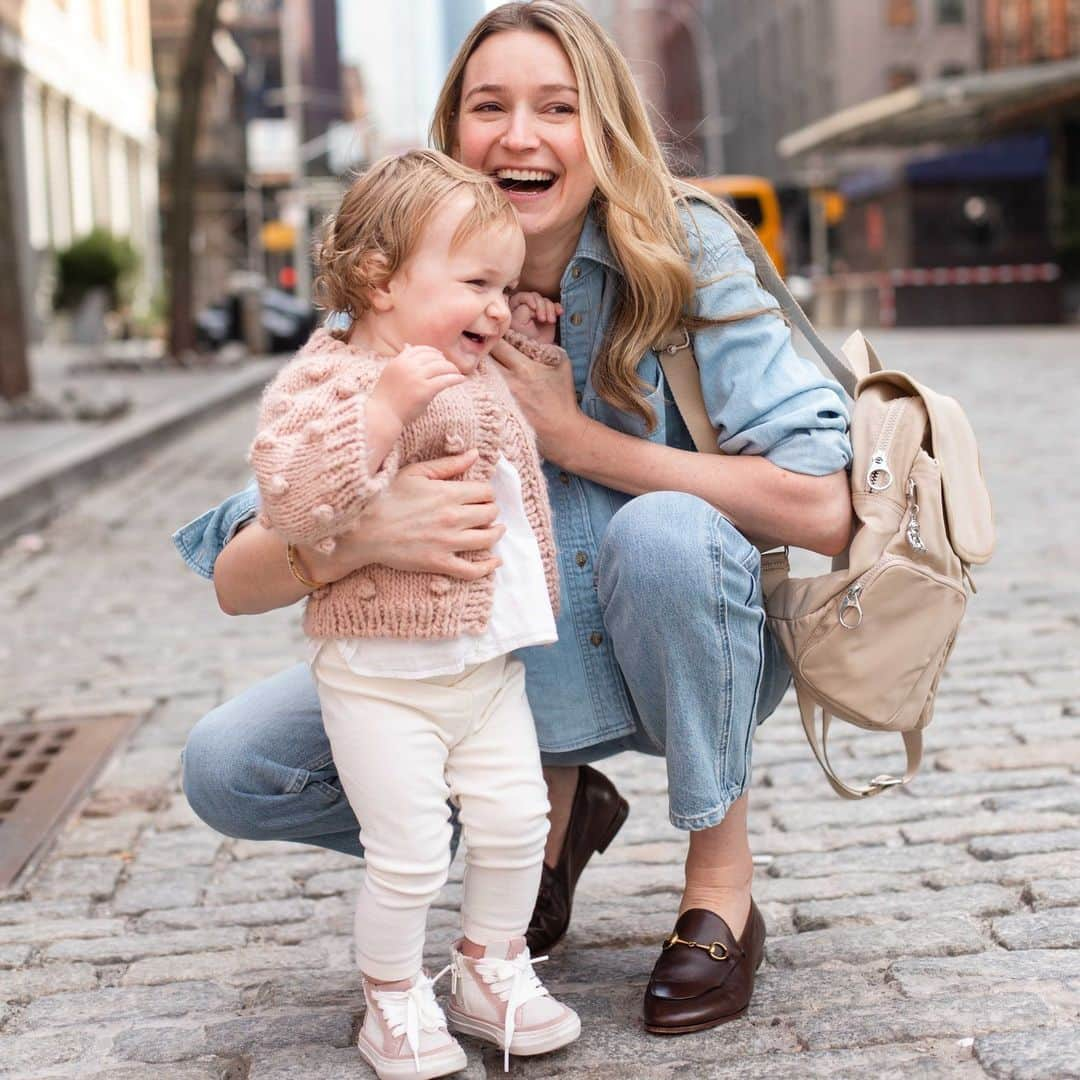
(704, 977)
(596, 816)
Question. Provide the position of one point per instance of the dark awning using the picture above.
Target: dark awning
(962, 108)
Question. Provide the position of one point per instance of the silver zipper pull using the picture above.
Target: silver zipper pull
(851, 600)
(879, 476)
(914, 536)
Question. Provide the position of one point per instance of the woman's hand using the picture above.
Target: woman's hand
(545, 395)
(423, 521)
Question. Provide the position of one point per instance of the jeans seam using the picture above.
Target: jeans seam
(717, 559)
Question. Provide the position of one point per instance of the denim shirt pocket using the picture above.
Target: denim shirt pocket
(650, 373)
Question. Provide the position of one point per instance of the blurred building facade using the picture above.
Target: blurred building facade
(79, 109)
(274, 90)
(1020, 32)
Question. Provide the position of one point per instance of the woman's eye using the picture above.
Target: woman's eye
(562, 110)
(487, 106)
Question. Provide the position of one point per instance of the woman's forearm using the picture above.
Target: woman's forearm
(766, 503)
(252, 575)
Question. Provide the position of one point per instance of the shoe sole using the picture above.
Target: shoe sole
(524, 1043)
(454, 1060)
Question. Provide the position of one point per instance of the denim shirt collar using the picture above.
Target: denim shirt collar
(593, 244)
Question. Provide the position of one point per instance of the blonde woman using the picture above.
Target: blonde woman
(662, 640)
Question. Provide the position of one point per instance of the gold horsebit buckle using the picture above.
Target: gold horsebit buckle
(717, 950)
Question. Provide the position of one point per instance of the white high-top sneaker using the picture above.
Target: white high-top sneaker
(500, 999)
(404, 1034)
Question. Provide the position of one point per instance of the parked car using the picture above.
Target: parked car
(287, 321)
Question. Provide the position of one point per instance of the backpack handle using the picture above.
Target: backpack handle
(808, 709)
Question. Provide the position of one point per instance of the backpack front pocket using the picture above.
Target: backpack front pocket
(883, 644)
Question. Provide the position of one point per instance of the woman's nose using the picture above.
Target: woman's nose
(520, 133)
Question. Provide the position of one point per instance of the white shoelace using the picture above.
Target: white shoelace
(409, 1012)
(515, 982)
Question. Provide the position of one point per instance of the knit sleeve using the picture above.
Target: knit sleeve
(548, 355)
(310, 454)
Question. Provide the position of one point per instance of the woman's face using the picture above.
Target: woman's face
(519, 122)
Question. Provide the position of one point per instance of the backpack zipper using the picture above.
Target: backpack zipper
(851, 600)
(914, 535)
(879, 476)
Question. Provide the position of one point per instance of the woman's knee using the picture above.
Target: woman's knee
(669, 543)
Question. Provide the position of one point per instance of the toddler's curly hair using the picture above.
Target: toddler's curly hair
(381, 218)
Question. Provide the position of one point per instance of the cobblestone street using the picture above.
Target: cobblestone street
(933, 932)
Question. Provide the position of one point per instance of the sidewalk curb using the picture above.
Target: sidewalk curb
(33, 495)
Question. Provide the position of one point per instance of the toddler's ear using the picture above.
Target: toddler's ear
(374, 279)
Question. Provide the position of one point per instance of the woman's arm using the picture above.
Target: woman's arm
(251, 574)
(765, 502)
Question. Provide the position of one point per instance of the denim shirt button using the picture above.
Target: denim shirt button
(564, 477)
(576, 272)
(575, 319)
(596, 638)
(581, 558)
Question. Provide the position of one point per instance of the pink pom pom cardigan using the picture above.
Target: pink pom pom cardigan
(311, 462)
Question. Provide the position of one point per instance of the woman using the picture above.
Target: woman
(662, 640)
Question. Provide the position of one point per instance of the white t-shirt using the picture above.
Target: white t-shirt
(521, 612)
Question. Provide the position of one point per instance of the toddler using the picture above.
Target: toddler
(420, 698)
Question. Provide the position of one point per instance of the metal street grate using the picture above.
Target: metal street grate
(44, 771)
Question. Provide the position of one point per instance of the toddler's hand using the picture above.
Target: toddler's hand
(535, 316)
(411, 380)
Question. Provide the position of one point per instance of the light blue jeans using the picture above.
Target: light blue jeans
(679, 588)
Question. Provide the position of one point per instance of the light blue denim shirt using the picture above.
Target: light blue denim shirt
(761, 395)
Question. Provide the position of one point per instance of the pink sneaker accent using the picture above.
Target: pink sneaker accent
(404, 1035)
(500, 999)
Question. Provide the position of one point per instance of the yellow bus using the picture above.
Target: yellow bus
(755, 199)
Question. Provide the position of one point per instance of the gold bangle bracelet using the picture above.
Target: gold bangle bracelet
(294, 568)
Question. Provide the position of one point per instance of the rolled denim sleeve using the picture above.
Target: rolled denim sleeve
(200, 541)
(762, 397)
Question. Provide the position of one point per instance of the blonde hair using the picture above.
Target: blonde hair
(637, 198)
(382, 216)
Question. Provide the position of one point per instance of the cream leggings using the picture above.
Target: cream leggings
(402, 747)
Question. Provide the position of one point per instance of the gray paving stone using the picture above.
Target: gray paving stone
(267, 913)
(982, 824)
(1056, 928)
(1031, 1055)
(1061, 797)
(13, 956)
(1016, 871)
(158, 890)
(313, 1062)
(66, 878)
(29, 1054)
(122, 950)
(1030, 782)
(792, 890)
(1006, 847)
(160, 1045)
(891, 808)
(206, 1069)
(972, 900)
(279, 1028)
(1041, 755)
(1052, 893)
(931, 977)
(100, 836)
(227, 963)
(939, 936)
(32, 982)
(910, 1020)
(18, 911)
(894, 860)
(178, 848)
(58, 929)
(115, 1004)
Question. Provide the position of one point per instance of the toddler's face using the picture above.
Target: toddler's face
(456, 299)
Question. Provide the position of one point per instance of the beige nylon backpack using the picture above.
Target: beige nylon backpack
(867, 643)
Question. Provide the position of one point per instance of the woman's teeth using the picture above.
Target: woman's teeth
(524, 179)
